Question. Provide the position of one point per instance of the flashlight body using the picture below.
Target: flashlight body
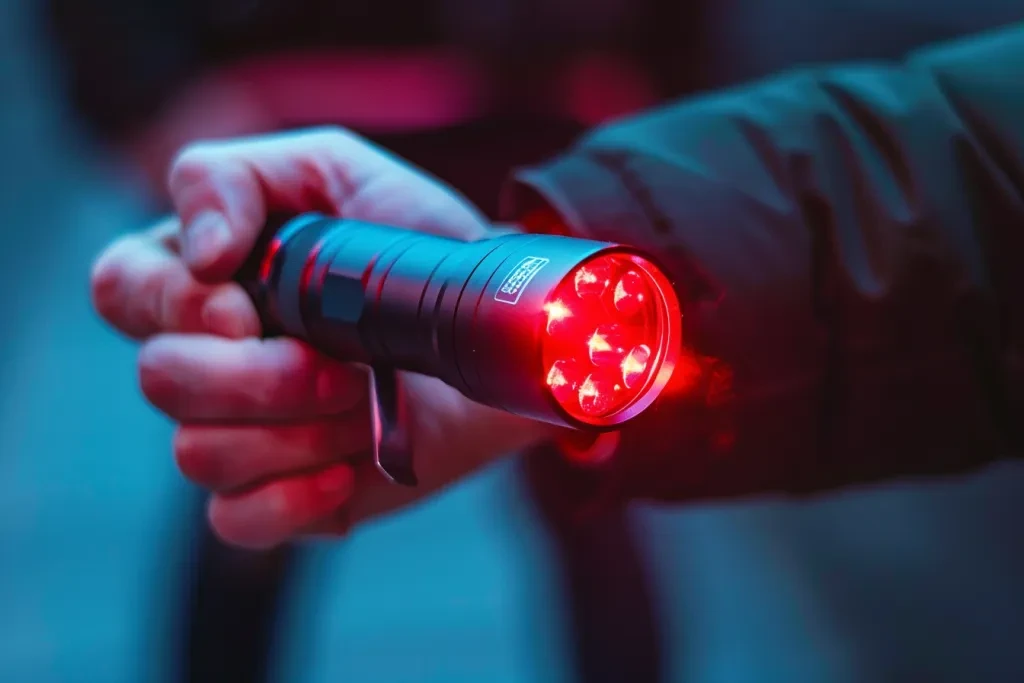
(468, 313)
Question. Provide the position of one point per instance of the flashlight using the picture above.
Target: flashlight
(573, 332)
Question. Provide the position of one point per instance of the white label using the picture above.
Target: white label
(515, 282)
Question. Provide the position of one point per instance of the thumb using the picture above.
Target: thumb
(223, 190)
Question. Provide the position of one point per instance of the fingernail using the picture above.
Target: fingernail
(206, 238)
(229, 313)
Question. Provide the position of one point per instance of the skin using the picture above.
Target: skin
(277, 433)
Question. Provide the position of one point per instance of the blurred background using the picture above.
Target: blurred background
(107, 572)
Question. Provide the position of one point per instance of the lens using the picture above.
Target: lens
(634, 365)
(564, 379)
(630, 293)
(558, 315)
(607, 345)
(592, 279)
(611, 330)
(598, 393)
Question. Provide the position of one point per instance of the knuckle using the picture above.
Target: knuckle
(192, 164)
(179, 301)
(218, 513)
(127, 286)
(228, 311)
(339, 144)
(331, 134)
(105, 279)
(209, 176)
(150, 293)
(279, 500)
(328, 168)
(191, 457)
(285, 379)
(156, 383)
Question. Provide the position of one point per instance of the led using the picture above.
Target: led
(604, 338)
(630, 294)
(564, 380)
(597, 394)
(592, 279)
(634, 365)
(606, 346)
(557, 313)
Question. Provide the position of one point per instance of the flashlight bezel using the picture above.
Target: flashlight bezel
(669, 342)
(499, 345)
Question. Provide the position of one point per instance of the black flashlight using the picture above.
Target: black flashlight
(573, 332)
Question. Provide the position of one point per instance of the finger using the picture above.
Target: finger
(223, 190)
(228, 457)
(434, 414)
(141, 287)
(275, 512)
(373, 496)
(205, 378)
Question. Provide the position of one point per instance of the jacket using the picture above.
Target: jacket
(847, 245)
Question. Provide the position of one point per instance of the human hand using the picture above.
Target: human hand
(276, 431)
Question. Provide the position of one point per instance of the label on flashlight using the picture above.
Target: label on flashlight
(515, 282)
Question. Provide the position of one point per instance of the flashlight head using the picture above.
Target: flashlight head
(610, 338)
(573, 332)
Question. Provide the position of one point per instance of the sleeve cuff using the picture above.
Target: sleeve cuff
(582, 192)
(676, 446)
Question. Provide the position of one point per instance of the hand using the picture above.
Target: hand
(277, 432)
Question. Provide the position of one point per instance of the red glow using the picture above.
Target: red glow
(557, 312)
(611, 340)
(720, 385)
(592, 279)
(598, 393)
(687, 375)
(268, 258)
(607, 345)
(723, 441)
(630, 293)
(564, 380)
(634, 365)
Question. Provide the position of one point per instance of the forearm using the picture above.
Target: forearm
(845, 243)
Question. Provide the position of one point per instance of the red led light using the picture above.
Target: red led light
(598, 393)
(564, 378)
(607, 345)
(612, 328)
(634, 365)
(592, 279)
(557, 313)
(630, 293)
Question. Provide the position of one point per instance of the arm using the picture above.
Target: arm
(847, 242)
(844, 242)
